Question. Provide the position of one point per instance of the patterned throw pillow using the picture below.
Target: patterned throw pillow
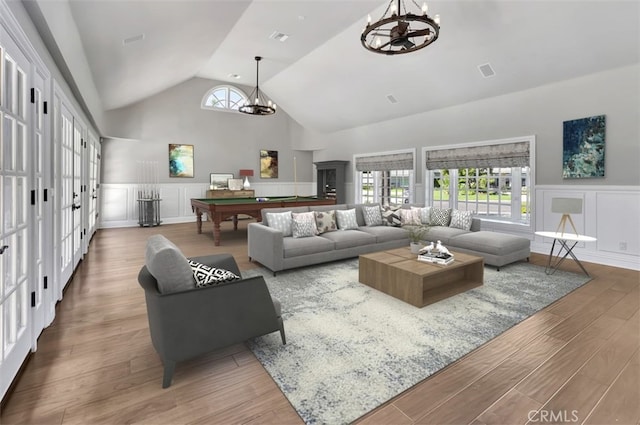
(326, 221)
(440, 216)
(410, 217)
(304, 225)
(281, 221)
(391, 216)
(208, 276)
(347, 219)
(425, 214)
(461, 220)
(372, 215)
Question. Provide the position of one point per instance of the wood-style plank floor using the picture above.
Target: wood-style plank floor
(577, 361)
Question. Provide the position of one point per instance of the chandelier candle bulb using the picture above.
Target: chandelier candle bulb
(437, 19)
(425, 8)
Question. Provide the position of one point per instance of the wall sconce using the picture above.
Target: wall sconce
(246, 174)
(566, 207)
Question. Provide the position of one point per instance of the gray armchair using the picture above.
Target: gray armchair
(192, 321)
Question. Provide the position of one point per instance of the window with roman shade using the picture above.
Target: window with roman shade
(386, 178)
(491, 179)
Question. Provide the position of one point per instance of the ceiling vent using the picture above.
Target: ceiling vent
(392, 99)
(133, 39)
(276, 35)
(486, 70)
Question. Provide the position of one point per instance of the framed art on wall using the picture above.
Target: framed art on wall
(583, 147)
(220, 181)
(180, 160)
(268, 164)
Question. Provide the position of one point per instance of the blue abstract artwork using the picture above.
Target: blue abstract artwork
(583, 148)
(180, 160)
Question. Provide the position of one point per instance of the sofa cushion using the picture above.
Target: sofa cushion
(440, 216)
(443, 233)
(347, 219)
(208, 276)
(168, 265)
(303, 225)
(372, 215)
(385, 233)
(461, 219)
(280, 221)
(350, 238)
(491, 242)
(326, 221)
(294, 247)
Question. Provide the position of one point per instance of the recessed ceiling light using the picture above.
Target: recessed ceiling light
(234, 76)
(133, 39)
(277, 35)
(301, 17)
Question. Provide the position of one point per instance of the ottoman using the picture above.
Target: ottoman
(497, 249)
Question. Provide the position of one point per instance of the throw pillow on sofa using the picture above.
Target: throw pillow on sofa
(440, 216)
(461, 219)
(326, 221)
(303, 225)
(347, 219)
(391, 216)
(410, 217)
(280, 221)
(207, 276)
(372, 215)
(425, 214)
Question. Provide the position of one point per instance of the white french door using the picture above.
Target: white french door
(78, 198)
(39, 302)
(93, 190)
(64, 197)
(15, 331)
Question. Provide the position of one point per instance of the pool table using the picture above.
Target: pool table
(221, 209)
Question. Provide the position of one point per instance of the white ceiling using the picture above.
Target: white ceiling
(323, 78)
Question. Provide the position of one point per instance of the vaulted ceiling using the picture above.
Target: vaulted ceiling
(322, 77)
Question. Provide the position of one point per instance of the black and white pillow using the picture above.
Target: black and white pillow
(391, 216)
(440, 216)
(372, 215)
(207, 276)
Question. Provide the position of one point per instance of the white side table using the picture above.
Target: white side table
(567, 242)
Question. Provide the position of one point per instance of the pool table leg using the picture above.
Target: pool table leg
(216, 229)
(235, 222)
(199, 221)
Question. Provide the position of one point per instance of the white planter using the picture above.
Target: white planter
(415, 247)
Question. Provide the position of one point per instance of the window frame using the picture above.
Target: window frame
(229, 88)
(377, 177)
(429, 175)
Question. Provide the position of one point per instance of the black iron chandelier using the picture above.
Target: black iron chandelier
(398, 31)
(255, 104)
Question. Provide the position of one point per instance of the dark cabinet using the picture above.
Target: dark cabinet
(331, 176)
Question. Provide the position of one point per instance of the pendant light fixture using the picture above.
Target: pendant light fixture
(255, 104)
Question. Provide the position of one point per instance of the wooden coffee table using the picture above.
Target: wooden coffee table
(398, 273)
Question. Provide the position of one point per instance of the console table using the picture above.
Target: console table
(567, 242)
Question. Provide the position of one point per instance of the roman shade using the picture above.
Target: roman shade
(498, 155)
(388, 162)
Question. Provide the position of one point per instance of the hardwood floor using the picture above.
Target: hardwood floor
(578, 360)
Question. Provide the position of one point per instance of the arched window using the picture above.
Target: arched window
(223, 98)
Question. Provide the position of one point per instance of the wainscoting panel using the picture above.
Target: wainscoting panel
(119, 206)
(609, 213)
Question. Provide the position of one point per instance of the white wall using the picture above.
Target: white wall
(540, 112)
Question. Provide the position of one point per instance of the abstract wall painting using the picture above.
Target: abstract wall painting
(268, 164)
(180, 160)
(583, 148)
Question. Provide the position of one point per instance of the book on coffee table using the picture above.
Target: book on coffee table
(443, 259)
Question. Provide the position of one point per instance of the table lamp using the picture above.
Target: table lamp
(246, 174)
(566, 207)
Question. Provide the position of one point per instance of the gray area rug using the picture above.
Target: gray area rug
(350, 348)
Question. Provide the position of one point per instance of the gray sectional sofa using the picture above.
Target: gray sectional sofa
(270, 248)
